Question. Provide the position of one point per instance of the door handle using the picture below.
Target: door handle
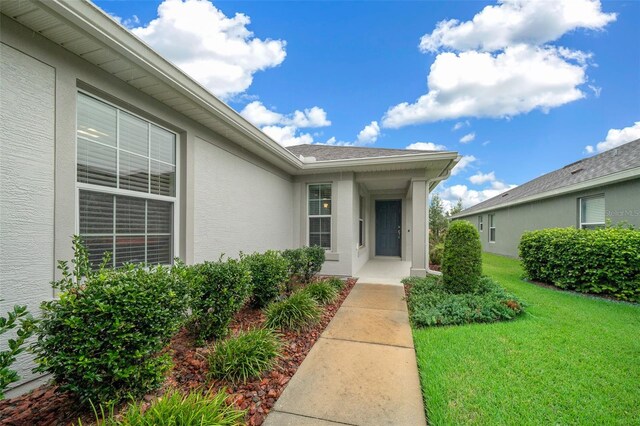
(399, 232)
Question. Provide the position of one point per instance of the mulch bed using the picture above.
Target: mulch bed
(45, 406)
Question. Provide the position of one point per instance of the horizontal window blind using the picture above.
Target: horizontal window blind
(319, 202)
(593, 211)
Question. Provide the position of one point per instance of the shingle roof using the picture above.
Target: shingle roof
(618, 159)
(332, 152)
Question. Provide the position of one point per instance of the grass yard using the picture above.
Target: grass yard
(570, 359)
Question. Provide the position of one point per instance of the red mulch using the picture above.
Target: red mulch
(45, 406)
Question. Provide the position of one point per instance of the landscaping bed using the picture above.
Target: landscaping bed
(45, 406)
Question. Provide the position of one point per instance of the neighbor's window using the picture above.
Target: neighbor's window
(361, 224)
(480, 224)
(126, 174)
(320, 215)
(492, 228)
(592, 212)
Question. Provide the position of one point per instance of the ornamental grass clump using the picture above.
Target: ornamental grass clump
(298, 312)
(336, 283)
(269, 273)
(322, 292)
(177, 409)
(245, 356)
(218, 291)
(462, 258)
(102, 339)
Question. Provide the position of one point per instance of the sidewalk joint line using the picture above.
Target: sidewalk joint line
(370, 343)
(373, 309)
(313, 417)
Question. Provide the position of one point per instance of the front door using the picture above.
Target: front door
(388, 227)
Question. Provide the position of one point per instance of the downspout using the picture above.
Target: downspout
(441, 177)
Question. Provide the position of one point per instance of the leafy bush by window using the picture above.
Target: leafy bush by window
(435, 256)
(219, 290)
(602, 261)
(269, 272)
(431, 304)
(244, 356)
(297, 312)
(305, 262)
(21, 319)
(462, 258)
(102, 339)
(174, 408)
(322, 292)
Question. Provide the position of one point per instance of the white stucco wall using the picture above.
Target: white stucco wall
(27, 88)
(238, 205)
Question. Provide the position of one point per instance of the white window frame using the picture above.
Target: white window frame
(581, 224)
(330, 216)
(492, 227)
(361, 221)
(480, 223)
(80, 186)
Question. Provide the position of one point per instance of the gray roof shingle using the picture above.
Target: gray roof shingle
(333, 152)
(618, 159)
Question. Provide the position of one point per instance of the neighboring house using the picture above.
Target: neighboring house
(584, 194)
(101, 136)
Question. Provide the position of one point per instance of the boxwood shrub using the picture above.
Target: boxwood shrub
(269, 272)
(218, 291)
(462, 258)
(601, 261)
(103, 338)
(305, 262)
(435, 255)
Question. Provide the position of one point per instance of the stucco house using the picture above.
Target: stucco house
(584, 194)
(103, 137)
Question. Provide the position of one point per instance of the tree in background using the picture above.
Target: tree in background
(438, 222)
(456, 209)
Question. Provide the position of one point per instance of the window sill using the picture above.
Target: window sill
(332, 256)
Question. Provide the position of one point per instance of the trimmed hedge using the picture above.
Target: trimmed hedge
(103, 338)
(305, 262)
(462, 258)
(269, 272)
(601, 261)
(218, 290)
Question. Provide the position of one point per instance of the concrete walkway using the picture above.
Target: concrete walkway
(362, 370)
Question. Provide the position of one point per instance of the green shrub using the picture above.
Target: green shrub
(435, 255)
(462, 258)
(297, 312)
(601, 261)
(219, 290)
(269, 272)
(322, 292)
(305, 262)
(19, 317)
(176, 409)
(244, 356)
(430, 304)
(336, 283)
(102, 339)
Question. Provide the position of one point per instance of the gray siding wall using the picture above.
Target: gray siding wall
(622, 203)
(27, 88)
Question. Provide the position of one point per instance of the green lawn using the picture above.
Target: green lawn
(570, 360)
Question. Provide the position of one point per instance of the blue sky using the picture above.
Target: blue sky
(533, 85)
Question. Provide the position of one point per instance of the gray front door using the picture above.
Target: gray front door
(388, 227)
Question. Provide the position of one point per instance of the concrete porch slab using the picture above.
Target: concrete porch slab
(384, 327)
(355, 383)
(376, 296)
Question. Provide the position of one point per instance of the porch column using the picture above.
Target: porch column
(419, 228)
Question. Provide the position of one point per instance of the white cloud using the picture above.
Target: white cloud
(259, 115)
(481, 84)
(287, 135)
(464, 162)
(426, 146)
(616, 137)
(369, 134)
(470, 197)
(468, 138)
(460, 124)
(216, 50)
(517, 21)
(480, 178)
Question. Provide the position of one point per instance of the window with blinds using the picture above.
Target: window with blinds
(126, 174)
(592, 212)
(319, 211)
(492, 228)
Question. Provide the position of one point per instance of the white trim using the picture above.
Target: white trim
(597, 182)
(581, 224)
